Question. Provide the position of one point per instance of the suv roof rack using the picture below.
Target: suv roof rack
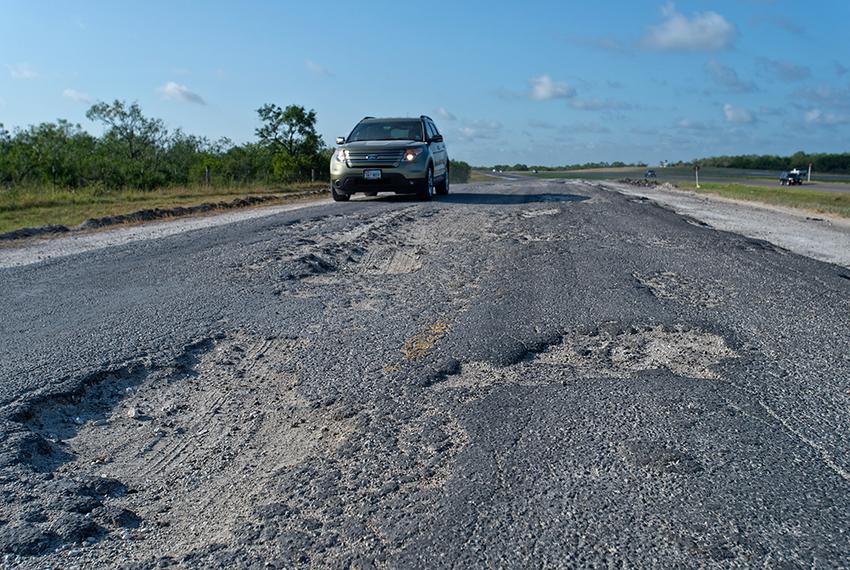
(426, 117)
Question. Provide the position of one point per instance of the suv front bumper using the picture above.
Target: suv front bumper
(406, 179)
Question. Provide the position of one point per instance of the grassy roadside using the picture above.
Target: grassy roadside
(837, 203)
(30, 208)
(479, 176)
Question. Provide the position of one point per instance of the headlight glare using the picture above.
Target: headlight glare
(411, 154)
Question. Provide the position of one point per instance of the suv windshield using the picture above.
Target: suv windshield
(405, 130)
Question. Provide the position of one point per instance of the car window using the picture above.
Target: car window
(387, 130)
(429, 128)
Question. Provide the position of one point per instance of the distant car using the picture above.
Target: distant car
(649, 174)
(792, 178)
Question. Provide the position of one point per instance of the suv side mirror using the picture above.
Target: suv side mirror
(340, 140)
(437, 138)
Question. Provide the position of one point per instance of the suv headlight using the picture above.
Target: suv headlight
(411, 154)
(341, 155)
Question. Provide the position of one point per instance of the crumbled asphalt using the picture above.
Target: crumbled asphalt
(519, 374)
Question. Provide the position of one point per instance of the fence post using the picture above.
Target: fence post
(207, 175)
(312, 175)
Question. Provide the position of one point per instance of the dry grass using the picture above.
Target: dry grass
(38, 207)
(836, 203)
(479, 176)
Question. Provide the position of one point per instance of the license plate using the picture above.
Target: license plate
(372, 174)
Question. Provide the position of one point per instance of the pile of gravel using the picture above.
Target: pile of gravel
(642, 182)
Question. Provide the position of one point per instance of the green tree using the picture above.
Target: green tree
(132, 147)
(291, 135)
(459, 171)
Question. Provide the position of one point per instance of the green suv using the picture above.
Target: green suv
(405, 156)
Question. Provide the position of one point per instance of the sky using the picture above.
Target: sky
(535, 82)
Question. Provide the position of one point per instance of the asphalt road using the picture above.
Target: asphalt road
(520, 374)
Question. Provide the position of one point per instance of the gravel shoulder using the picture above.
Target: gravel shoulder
(815, 235)
(35, 250)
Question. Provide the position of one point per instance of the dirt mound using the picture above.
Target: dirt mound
(642, 182)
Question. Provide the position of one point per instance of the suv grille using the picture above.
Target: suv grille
(375, 158)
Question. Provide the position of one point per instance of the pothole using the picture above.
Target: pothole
(610, 352)
(675, 287)
(186, 447)
(687, 352)
(357, 501)
(391, 261)
(541, 212)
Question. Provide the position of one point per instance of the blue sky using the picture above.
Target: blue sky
(534, 82)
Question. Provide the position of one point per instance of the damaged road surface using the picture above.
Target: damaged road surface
(521, 374)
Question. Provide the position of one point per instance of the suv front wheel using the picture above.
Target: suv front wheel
(427, 190)
(443, 186)
(339, 196)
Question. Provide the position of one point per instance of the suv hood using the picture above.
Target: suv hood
(381, 145)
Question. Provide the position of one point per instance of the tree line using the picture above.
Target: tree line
(821, 162)
(584, 166)
(138, 152)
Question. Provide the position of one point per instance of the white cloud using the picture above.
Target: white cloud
(819, 117)
(177, 92)
(785, 70)
(824, 95)
(443, 114)
(479, 130)
(77, 96)
(691, 125)
(569, 128)
(727, 77)
(535, 124)
(544, 88)
(317, 69)
(588, 128)
(599, 105)
(706, 31)
(21, 71)
(737, 114)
